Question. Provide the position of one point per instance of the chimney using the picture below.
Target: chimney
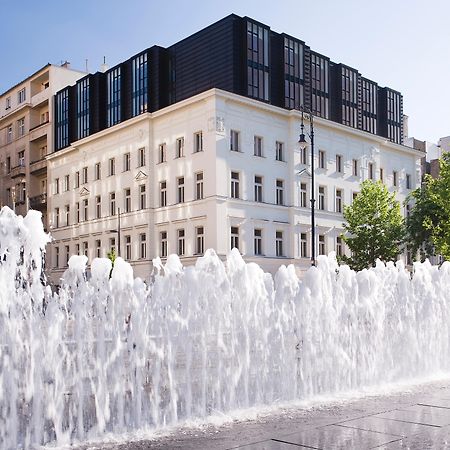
(104, 67)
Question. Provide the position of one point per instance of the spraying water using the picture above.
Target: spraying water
(115, 355)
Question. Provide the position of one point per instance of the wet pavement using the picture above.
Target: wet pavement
(415, 419)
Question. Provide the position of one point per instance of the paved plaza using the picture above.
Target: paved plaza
(415, 418)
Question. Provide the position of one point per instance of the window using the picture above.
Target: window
(257, 241)
(322, 159)
(339, 247)
(408, 210)
(163, 244)
(338, 200)
(180, 190)
(142, 197)
(142, 246)
(339, 167)
(77, 207)
(141, 157)
(354, 195)
(112, 166)
(198, 142)
(112, 244)
(128, 247)
(322, 198)
(8, 164)
(56, 257)
(139, 76)
(98, 248)
(258, 146)
(62, 119)
(21, 127)
(56, 217)
(303, 246)
(257, 61)
(67, 248)
(97, 171)
(112, 203)
(126, 162)
(77, 249)
(98, 207)
(22, 95)
(234, 238)
(66, 183)
(163, 193)
(234, 184)
(44, 117)
(293, 73)
(21, 158)
(127, 200)
(85, 175)
(258, 189)
(381, 174)
(234, 140)
(355, 168)
(303, 156)
(279, 151)
(67, 208)
(199, 186)
(394, 178)
(179, 148)
(321, 244)
(279, 243)
(113, 105)
(371, 171)
(85, 209)
(85, 248)
(199, 240)
(162, 153)
(8, 103)
(82, 107)
(303, 195)
(77, 180)
(9, 134)
(56, 185)
(180, 242)
(408, 181)
(280, 192)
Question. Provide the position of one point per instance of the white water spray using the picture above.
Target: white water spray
(113, 355)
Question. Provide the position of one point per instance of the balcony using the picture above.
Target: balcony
(18, 171)
(40, 97)
(39, 131)
(38, 202)
(38, 167)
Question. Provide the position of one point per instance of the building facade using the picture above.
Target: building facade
(217, 170)
(238, 55)
(26, 137)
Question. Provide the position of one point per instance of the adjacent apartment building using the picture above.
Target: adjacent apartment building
(26, 137)
(197, 146)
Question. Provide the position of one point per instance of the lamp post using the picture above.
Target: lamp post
(117, 231)
(303, 145)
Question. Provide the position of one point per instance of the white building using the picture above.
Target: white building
(214, 171)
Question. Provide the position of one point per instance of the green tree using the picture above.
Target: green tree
(111, 255)
(374, 226)
(428, 226)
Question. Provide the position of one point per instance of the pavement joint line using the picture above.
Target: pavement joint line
(297, 445)
(408, 421)
(371, 431)
(390, 442)
(433, 406)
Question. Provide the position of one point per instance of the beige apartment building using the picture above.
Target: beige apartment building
(26, 137)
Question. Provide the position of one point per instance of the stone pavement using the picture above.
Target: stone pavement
(418, 418)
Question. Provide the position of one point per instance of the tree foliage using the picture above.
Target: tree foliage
(374, 226)
(428, 225)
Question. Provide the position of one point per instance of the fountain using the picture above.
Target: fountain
(115, 355)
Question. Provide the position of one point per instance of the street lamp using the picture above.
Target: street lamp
(303, 145)
(117, 231)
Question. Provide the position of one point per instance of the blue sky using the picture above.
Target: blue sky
(403, 44)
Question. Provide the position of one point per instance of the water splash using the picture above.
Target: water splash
(115, 355)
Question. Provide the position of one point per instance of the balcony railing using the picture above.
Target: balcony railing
(18, 171)
(38, 166)
(39, 201)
